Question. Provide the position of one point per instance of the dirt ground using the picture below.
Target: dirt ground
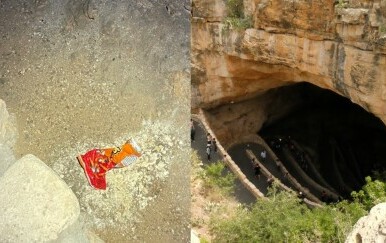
(85, 74)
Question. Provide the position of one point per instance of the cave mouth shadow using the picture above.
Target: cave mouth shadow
(344, 142)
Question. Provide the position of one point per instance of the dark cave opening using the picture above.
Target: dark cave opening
(336, 142)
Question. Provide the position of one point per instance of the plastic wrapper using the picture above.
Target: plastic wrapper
(97, 162)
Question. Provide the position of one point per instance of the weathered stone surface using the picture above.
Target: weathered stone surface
(6, 158)
(7, 127)
(370, 228)
(340, 48)
(7, 138)
(289, 16)
(211, 10)
(76, 233)
(35, 204)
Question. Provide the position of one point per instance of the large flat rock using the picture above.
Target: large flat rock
(35, 203)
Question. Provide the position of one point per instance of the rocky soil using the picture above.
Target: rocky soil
(83, 74)
(207, 204)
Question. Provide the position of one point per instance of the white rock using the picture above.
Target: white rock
(7, 138)
(35, 204)
(7, 128)
(368, 228)
(76, 234)
(352, 15)
(6, 158)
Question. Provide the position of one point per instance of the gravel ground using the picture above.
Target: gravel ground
(85, 74)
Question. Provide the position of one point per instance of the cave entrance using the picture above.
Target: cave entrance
(333, 141)
(340, 139)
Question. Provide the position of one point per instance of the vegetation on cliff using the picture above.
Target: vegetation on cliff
(236, 18)
(372, 193)
(215, 177)
(284, 218)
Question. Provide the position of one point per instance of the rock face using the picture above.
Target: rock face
(83, 74)
(36, 205)
(7, 129)
(7, 138)
(337, 46)
(370, 228)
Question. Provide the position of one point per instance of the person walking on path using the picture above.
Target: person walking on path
(214, 145)
(263, 155)
(208, 139)
(257, 170)
(192, 130)
(270, 180)
(208, 150)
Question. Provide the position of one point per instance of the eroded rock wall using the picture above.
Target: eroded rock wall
(230, 122)
(339, 46)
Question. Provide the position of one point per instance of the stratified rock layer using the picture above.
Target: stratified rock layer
(36, 205)
(341, 47)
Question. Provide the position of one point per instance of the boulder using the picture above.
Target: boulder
(36, 205)
(370, 228)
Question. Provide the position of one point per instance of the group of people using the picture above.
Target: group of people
(287, 142)
(211, 144)
(257, 169)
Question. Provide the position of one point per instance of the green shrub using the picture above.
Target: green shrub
(382, 29)
(238, 23)
(203, 240)
(284, 219)
(236, 18)
(235, 8)
(341, 4)
(372, 193)
(215, 177)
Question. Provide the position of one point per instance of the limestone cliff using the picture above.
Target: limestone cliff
(339, 46)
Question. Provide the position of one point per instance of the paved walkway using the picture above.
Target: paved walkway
(199, 144)
(238, 154)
